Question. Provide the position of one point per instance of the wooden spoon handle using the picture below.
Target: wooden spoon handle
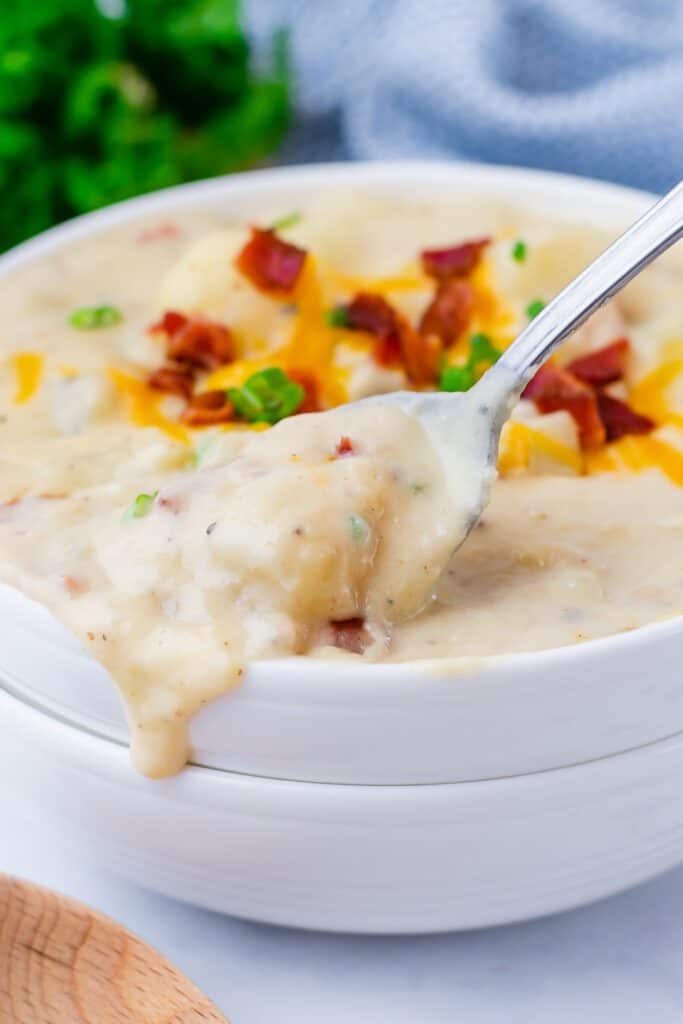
(61, 963)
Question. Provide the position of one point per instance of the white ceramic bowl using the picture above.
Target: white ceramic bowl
(379, 797)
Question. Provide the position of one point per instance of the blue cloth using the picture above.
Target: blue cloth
(593, 87)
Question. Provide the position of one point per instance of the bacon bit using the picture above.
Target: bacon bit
(620, 419)
(396, 343)
(449, 313)
(421, 356)
(174, 380)
(387, 351)
(159, 232)
(170, 323)
(311, 385)
(207, 408)
(344, 446)
(74, 586)
(172, 504)
(373, 314)
(193, 341)
(455, 261)
(270, 263)
(553, 389)
(11, 502)
(351, 635)
(604, 366)
(201, 343)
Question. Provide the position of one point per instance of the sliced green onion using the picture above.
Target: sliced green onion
(519, 251)
(338, 316)
(456, 378)
(483, 353)
(90, 318)
(482, 350)
(141, 507)
(202, 449)
(288, 221)
(267, 396)
(534, 308)
(359, 529)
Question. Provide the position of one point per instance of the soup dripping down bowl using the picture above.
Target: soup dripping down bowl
(420, 796)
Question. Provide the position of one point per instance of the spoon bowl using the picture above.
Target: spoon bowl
(464, 429)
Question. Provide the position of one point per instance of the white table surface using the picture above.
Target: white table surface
(617, 962)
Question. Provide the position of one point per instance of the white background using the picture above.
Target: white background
(618, 961)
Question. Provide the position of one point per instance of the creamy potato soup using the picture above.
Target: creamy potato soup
(183, 486)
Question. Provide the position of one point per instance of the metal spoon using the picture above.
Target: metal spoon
(465, 428)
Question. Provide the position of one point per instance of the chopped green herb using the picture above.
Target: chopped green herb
(359, 529)
(483, 353)
(417, 488)
(141, 507)
(534, 308)
(90, 318)
(482, 350)
(267, 396)
(519, 251)
(338, 316)
(288, 221)
(202, 449)
(456, 378)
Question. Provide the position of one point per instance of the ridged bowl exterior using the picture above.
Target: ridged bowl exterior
(388, 859)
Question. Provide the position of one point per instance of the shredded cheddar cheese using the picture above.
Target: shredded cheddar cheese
(637, 454)
(518, 442)
(312, 342)
(28, 369)
(143, 406)
(514, 449)
(601, 460)
(492, 315)
(334, 386)
(410, 280)
(233, 375)
(650, 396)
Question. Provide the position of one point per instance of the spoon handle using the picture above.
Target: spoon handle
(657, 230)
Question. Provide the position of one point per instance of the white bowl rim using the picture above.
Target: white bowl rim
(87, 746)
(344, 172)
